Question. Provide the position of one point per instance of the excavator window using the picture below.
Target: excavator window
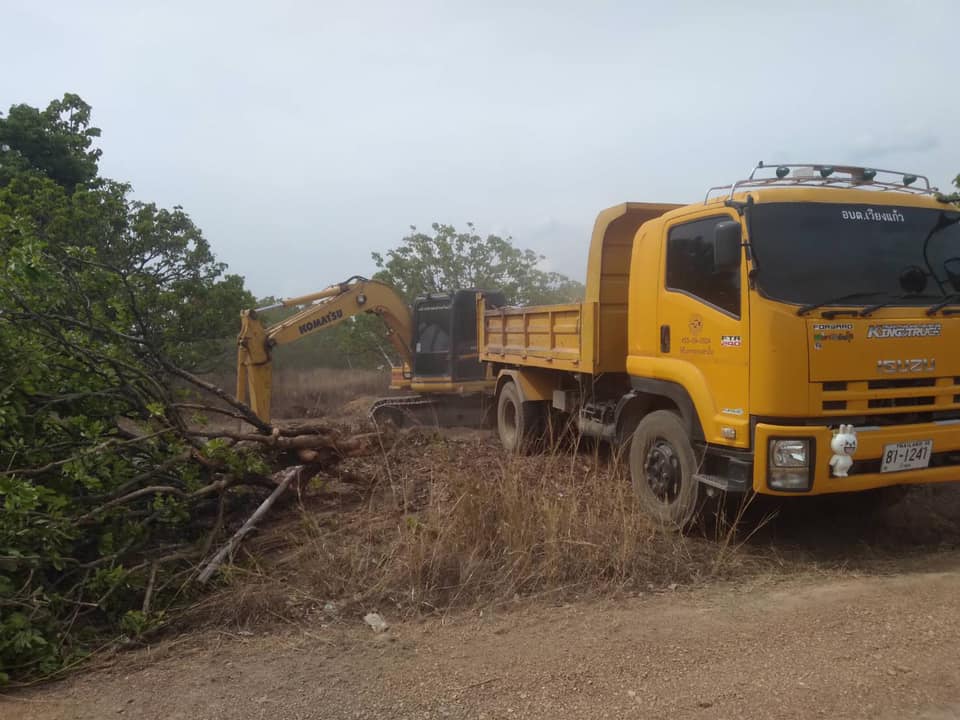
(432, 343)
(433, 338)
(446, 340)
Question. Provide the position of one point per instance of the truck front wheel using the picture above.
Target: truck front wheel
(518, 422)
(662, 469)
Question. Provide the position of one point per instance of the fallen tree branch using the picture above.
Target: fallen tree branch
(288, 475)
(199, 407)
(148, 595)
(290, 429)
(342, 446)
(215, 486)
(248, 415)
(150, 490)
(152, 472)
(112, 443)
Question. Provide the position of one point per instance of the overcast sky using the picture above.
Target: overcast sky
(302, 135)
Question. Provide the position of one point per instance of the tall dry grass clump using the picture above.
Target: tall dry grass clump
(299, 392)
(528, 525)
(316, 392)
(456, 523)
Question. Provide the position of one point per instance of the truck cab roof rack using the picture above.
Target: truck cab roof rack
(827, 175)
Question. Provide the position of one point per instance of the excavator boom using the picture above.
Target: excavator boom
(323, 310)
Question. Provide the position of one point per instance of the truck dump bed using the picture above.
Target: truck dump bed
(548, 336)
(588, 337)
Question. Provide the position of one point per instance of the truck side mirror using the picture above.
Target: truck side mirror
(727, 240)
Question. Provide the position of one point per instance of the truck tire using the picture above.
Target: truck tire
(518, 423)
(663, 466)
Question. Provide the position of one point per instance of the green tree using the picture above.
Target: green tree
(51, 188)
(954, 197)
(102, 483)
(58, 141)
(449, 260)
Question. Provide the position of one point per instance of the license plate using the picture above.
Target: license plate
(914, 455)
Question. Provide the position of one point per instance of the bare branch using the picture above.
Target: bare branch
(33, 472)
(288, 475)
(248, 415)
(215, 486)
(209, 408)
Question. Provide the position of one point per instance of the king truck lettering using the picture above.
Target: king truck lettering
(904, 331)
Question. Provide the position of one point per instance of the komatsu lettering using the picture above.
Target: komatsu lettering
(320, 322)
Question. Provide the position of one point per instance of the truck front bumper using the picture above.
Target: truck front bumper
(865, 474)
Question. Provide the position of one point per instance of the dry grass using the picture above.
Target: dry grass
(442, 520)
(445, 521)
(299, 393)
(448, 522)
(310, 393)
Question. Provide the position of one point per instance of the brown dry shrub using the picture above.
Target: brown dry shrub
(445, 523)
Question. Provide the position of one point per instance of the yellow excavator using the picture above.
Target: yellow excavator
(440, 377)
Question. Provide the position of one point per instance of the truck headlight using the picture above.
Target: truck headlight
(789, 453)
(788, 464)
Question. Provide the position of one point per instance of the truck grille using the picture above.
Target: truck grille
(890, 395)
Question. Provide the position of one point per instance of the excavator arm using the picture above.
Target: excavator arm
(324, 310)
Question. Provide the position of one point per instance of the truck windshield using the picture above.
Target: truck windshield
(810, 253)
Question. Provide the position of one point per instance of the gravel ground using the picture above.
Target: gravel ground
(831, 646)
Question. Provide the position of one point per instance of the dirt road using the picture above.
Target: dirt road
(832, 646)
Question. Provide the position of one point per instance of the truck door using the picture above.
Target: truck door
(703, 321)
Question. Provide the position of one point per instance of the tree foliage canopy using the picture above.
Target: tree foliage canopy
(103, 300)
(56, 142)
(451, 260)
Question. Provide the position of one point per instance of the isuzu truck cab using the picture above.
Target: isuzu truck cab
(796, 333)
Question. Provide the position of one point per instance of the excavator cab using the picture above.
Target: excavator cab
(445, 335)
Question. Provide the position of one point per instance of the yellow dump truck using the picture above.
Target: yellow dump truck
(797, 333)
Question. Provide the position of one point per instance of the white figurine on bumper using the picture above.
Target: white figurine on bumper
(844, 445)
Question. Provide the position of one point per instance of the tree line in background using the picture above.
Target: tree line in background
(442, 260)
(110, 487)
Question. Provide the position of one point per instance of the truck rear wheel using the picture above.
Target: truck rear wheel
(518, 422)
(662, 469)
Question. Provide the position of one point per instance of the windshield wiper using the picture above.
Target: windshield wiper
(870, 309)
(950, 299)
(851, 296)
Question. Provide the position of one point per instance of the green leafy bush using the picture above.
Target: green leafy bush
(103, 300)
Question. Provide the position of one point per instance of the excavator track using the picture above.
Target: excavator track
(475, 410)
